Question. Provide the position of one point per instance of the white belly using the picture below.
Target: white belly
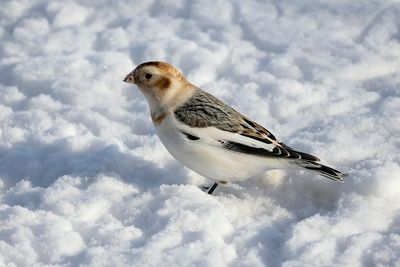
(207, 159)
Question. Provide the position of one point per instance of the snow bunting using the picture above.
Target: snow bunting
(210, 137)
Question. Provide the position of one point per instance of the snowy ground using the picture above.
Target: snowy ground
(85, 181)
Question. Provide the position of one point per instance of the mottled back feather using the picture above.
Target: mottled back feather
(204, 110)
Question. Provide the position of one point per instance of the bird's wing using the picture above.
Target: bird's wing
(205, 115)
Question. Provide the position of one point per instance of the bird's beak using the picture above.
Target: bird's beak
(130, 78)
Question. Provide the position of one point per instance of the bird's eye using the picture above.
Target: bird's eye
(148, 76)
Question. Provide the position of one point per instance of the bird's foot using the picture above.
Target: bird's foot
(209, 189)
(204, 187)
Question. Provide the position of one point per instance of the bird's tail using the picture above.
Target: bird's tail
(323, 170)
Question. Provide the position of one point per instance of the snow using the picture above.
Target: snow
(85, 181)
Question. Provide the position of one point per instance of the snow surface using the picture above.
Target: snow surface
(85, 180)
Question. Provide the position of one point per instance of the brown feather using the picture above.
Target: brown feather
(159, 118)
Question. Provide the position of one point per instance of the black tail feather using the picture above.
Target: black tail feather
(323, 170)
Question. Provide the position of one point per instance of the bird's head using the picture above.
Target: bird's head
(162, 84)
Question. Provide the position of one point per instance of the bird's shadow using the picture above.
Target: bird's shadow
(306, 193)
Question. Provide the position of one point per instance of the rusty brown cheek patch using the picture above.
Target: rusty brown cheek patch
(163, 83)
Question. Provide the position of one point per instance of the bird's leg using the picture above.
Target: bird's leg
(212, 188)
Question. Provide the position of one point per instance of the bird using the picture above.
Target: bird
(210, 137)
